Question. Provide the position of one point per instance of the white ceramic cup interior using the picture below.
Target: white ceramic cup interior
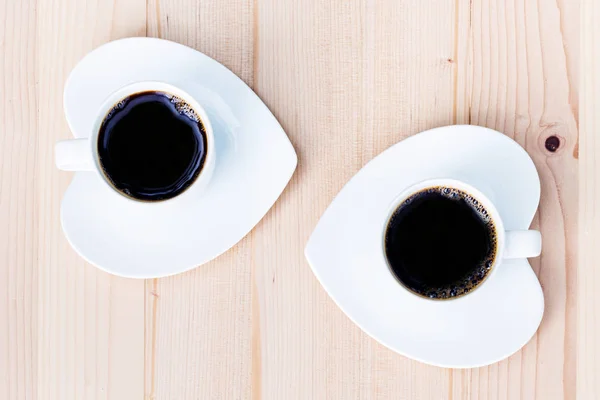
(82, 154)
(509, 244)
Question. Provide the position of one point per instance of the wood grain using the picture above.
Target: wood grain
(588, 315)
(18, 207)
(199, 324)
(346, 79)
(517, 73)
(90, 324)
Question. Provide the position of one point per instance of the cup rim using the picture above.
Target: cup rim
(138, 87)
(456, 184)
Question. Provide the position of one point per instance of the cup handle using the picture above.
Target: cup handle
(74, 155)
(522, 244)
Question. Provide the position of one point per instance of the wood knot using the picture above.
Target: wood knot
(553, 139)
(552, 143)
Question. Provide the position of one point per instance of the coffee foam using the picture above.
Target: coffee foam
(180, 105)
(475, 277)
(116, 107)
(183, 107)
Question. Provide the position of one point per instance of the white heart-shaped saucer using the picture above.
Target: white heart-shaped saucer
(345, 251)
(254, 162)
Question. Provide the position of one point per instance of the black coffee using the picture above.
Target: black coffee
(152, 146)
(440, 243)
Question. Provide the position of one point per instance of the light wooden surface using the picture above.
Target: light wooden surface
(346, 79)
(588, 300)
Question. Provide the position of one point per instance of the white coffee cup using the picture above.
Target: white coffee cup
(509, 244)
(82, 154)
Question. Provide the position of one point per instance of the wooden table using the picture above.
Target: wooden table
(346, 79)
